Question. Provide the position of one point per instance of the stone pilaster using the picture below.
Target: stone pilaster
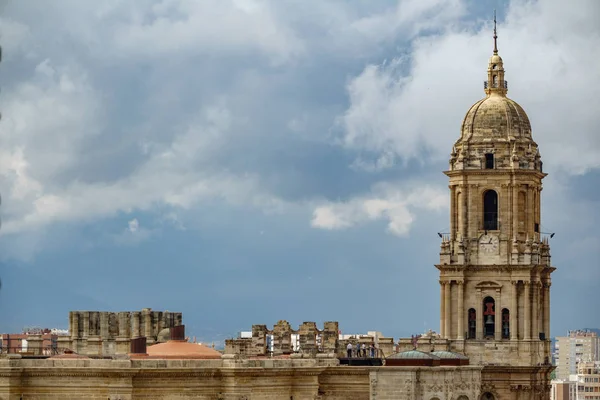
(461, 311)
(104, 328)
(453, 213)
(442, 309)
(498, 316)
(547, 310)
(123, 324)
(479, 309)
(86, 324)
(527, 306)
(448, 310)
(135, 324)
(535, 323)
(514, 309)
(75, 325)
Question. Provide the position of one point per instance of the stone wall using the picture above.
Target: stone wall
(226, 379)
(234, 378)
(105, 333)
(392, 383)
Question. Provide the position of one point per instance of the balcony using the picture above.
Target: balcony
(494, 85)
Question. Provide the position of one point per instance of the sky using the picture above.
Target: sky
(247, 161)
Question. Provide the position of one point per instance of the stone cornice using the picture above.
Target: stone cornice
(490, 172)
(494, 267)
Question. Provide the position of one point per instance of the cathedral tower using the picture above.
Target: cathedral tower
(495, 262)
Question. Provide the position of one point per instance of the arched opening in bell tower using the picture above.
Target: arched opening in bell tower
(490, 210)
(489, 317)
(505, 323)
(472, 332)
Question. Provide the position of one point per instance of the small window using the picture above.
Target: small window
(489, 161)
(494, 66)
(536, 227)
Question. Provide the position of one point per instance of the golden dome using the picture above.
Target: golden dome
(496, 117)
(495, 59)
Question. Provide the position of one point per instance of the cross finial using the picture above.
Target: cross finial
(495, 35)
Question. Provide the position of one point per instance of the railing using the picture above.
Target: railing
(494, 85)
(364, 353)
(445, 236)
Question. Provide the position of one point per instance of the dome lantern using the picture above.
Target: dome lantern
(495, 83)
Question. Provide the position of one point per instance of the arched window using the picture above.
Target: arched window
(489, 161)
(490, 210)
(487, 396)
(489, 317)
(505, 323)
(472, 323)
(495, 81)
(462, 397)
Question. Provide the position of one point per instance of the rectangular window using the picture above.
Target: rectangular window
(489, 161)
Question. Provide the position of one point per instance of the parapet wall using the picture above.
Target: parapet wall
(311, 340)
(226, 379)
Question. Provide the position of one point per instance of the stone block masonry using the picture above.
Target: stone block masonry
(103, 333)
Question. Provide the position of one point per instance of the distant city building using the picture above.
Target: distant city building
(32, 340)
(578, 346)
(587, 386)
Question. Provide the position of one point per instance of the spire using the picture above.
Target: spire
(495, 83)
(495, 35)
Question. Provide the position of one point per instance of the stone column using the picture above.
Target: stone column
(460, 333)
(547, 309)
(147, 323)
(123, 323)
(498, 316)
(135, 324)
(86, 324)
(465, 199)
(104, 330)
(453, 213)
(529, 213)
(515, 208)
(479, 309)
(527, 302)
(514, 309)
(442, 309)
(75, 325)
(535, 323)
(448, 312)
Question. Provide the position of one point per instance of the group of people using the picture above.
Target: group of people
(360, 350)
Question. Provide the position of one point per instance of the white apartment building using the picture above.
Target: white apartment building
(578, 346)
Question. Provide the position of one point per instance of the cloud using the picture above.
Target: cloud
(412, 105)
(134, 234)
(134, 225)
(386, 202)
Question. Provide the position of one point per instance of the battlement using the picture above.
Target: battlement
(306, 341)
(278, 341)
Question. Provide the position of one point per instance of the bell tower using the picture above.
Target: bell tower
(495, 261)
